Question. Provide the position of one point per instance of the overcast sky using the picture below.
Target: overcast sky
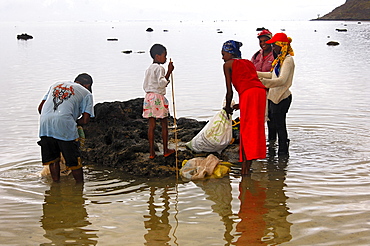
(113, 10)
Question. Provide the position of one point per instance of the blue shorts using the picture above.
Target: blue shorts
(51, 149)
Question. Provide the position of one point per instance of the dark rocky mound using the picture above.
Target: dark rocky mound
(352, 10)
(332, 43)
(24, 36)
(117, 137)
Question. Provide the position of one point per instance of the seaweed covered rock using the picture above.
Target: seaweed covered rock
(117, 137)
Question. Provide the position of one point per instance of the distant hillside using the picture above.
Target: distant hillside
(356, 10)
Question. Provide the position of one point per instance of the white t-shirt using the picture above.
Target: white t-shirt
(155, 80)
(65, 103)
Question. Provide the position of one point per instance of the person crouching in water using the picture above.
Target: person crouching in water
(65, 106)
(241, 73)
(155, 104)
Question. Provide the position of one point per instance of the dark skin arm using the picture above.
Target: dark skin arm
(229, 89)
(169, 70)
(40, 106)
(85, 118)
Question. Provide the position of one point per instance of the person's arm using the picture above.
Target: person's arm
(229, 89)
(84, 119)
(286, 70)
(87, 109)
(169, 70)
(264, 75)
(162, 76)
(43, 101)
(40, 106)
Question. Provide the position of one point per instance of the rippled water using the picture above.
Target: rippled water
(319, 196)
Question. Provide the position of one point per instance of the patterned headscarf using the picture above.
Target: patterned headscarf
(233, 47)
(285, 50)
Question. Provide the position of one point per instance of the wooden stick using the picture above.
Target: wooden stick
(174, 122)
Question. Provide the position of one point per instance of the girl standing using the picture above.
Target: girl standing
(155, 103)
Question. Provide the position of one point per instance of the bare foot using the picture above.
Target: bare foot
(169, 152)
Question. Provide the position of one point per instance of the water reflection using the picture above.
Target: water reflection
(262, 216)
(278, 228)
(252, 200)
(158, 225)
(219, 191)
(64, 216)
(263, 211)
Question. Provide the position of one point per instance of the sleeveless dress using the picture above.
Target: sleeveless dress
(252, 104)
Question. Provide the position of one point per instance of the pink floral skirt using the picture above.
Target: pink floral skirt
(155, 105)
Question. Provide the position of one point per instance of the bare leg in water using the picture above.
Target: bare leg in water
(55, 171)
(78, 175)
(246, 165)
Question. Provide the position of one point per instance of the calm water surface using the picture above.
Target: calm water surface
(319, 196)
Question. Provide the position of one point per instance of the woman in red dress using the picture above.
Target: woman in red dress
(241, 73)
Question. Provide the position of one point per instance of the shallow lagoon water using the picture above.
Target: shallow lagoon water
(319, 196)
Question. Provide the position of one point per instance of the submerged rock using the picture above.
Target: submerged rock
(332, 43)
(24, 36)
(117, 137)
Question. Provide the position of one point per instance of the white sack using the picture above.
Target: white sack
(215, 136)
